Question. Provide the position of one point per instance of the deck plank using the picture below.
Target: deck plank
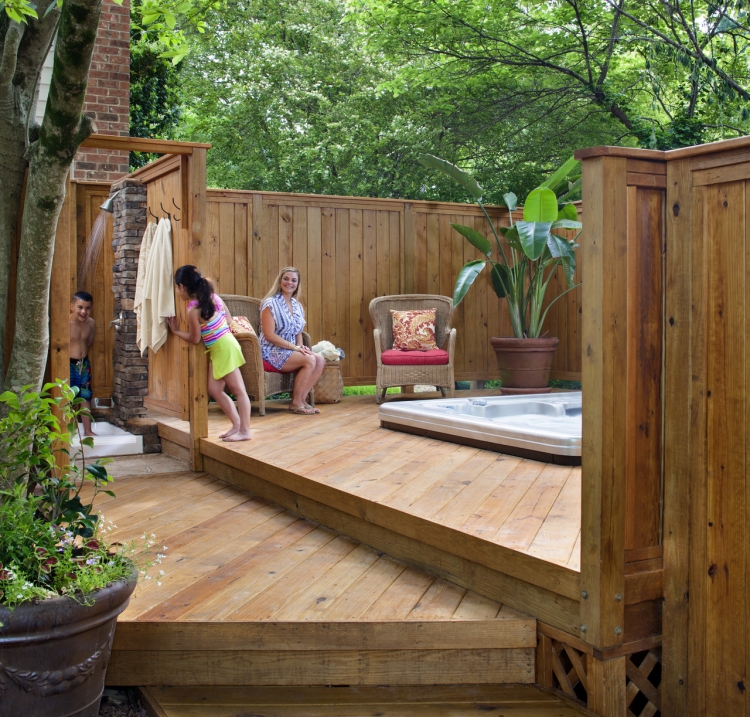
(439, 602)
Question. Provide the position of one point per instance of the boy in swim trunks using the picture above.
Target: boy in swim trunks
(82, 328)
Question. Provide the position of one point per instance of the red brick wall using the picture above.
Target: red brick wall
(108, 95)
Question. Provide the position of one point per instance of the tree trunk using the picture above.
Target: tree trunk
(24, 49)
(63, 129)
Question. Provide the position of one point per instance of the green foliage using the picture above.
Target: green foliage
(52, 542)
(669, 74)
(535, 252)
(154, 90)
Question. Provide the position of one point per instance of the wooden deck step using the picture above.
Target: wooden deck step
(254, 594)
(454, 701)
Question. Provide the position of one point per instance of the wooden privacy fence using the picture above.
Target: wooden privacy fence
(351, 250)
(666, 420)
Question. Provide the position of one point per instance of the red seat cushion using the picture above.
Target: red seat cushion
(270, 369)
(433, 357)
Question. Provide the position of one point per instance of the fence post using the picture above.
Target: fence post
(197, 362)
(604, 364)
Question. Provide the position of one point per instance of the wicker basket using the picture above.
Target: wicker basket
(330, 385)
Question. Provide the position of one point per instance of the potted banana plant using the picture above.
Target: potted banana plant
(529, 252)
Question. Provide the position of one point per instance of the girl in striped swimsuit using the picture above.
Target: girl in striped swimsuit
(208, 319)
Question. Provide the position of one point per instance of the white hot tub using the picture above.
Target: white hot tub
(544, 426)
(109, 441)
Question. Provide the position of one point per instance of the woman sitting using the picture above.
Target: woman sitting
(282, 320)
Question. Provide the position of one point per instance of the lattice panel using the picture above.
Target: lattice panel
(569, 671)
(643, 670)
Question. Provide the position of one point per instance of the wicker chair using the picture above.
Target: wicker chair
(259, 384)
(445, 335)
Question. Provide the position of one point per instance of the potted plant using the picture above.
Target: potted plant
(62, 584)
(529, 252)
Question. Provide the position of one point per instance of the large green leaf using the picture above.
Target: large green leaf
(566, 224)
(466, 277)
(475, 238)
(533, 237)
(556, 179)
(540, 206)
(562, 249)
(463, 178)
(568, 211)
(511, 237)
(501, 280)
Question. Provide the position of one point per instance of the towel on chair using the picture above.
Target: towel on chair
(148, 238)
(158, 289)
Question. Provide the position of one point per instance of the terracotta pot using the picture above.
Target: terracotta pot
(524, 363)
(54, 654)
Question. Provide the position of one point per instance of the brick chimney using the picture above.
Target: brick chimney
(108, 95)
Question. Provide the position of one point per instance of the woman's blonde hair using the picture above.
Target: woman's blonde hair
(276, 288)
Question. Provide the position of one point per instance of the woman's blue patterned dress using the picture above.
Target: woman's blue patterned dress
(287, 326)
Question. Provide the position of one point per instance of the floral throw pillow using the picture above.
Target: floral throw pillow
(414, 330)
(240, 325)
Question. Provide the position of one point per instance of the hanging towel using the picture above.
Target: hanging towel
(158, 289)
(148, 238)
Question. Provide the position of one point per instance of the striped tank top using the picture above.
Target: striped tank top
(217, 325)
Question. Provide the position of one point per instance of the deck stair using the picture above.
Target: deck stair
(459, 701)
(253, 594)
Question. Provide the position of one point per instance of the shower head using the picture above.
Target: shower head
(108, 205)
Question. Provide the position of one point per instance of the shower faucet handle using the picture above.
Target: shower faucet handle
(117, 323)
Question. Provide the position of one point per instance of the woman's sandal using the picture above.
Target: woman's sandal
(305, 410)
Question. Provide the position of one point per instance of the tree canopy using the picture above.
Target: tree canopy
(340, 96)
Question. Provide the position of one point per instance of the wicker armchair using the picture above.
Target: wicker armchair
(259, 384)
(445, 335)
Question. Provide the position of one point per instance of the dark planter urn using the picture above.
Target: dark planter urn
(54, 654)
(524, 364)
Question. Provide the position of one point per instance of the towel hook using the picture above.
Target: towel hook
(152, 214)
(169, 216)
(177, 208)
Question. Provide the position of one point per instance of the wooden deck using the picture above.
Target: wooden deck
(462, 701)
(254, 594)
(504, 526)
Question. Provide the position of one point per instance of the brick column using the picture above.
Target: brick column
(130, 368)
(108, 95)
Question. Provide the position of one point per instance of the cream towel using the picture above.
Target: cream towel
(158, 289)
(148, 238)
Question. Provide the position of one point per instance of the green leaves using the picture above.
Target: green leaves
(466, 277)
(533, 236)
(568, 211)
(561, 248)
(540, 206)
(463, 178)
(502, 281)
(475, 238)
(511, 201)
(558, 177)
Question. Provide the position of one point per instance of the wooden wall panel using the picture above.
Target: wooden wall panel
(351, 250)
(168, 385)
(707, 451)
(89, 197)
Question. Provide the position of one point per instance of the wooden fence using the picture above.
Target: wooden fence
(666, 420)
(351, 250)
